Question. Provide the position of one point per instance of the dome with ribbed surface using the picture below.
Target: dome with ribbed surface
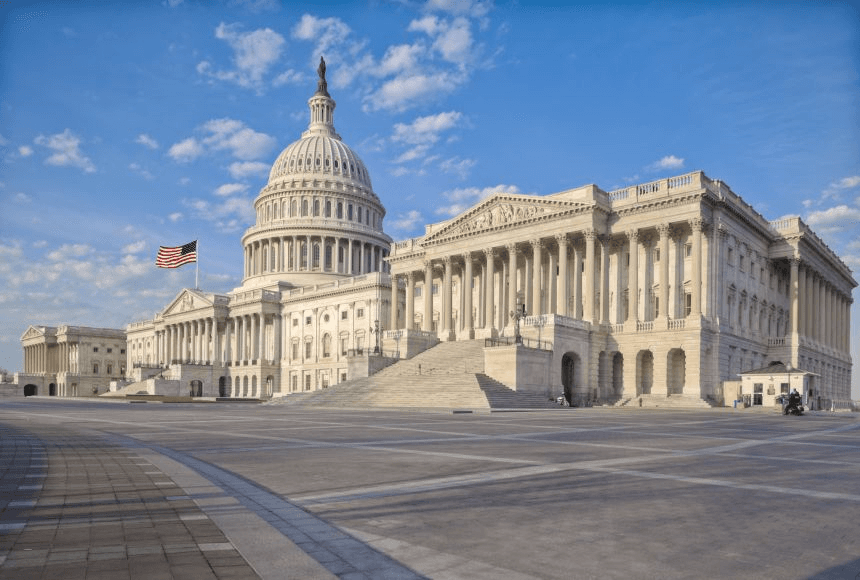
(320, 152)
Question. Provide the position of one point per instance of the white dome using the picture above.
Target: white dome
(318, 155)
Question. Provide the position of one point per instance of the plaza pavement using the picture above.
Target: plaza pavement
(93, 489)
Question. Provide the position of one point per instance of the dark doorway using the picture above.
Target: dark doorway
(222, 387)
(196, 388)
(30, 390)
(52, 390)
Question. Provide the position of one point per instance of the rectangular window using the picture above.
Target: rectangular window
(359, 313)
(758, 389)
(110, 350)
(307, 382)
(122, 351)
(418, 291)
(307, 319)
(308, 349)
(109, 369)
(688, 304)
(295, 321)
(688, 250)
(783, 388)
(435, 289)
(656, 306)
(95, 368)
(95, 349)
(295, 383)
(731, 257)
(343, 377)
(657, 255)
(359, 344)
(344, 315)
(343, 344)
(295, 350)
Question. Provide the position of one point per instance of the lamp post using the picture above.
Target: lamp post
(377, 330)
(518, 314)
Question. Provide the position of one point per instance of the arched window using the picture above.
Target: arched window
(304, 258)
(359, 214)
(316, 205)
(293, 208)
(316, 256)
(328, 209)
(326, 345)
(304, 207)
(265, 258)
(275, 211)
(349, 212)
(339, 210)
(328, 257)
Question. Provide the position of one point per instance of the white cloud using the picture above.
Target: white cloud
(833, 190)
(186, 150)
(68, 251)
(466, 197)
(140, 170)
(474, 8)
(229, 215)
(21, 197)
(134, 247)
(458, 166)
(834, 219)
(412, 154)
(425, 129)
(254, 53)
(146, 141)
(230, 189)
(407, 221)
(175, 216)
(400, 58)
(240, 169)
(325, 32)
(224, 134)
(287, 77)
(40, 244)
(405, 91)
(25, 150)
(184, 180)
(67, 152)
(668, 162)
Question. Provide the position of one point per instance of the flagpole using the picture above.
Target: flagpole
(197, 267)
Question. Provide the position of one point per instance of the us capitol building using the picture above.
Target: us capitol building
(669, 288)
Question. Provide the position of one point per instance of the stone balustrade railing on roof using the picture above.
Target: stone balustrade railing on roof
(662, 187)
(405, 247)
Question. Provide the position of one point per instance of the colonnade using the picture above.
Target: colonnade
(236, 340)
(567, 275)
(36, 359)
(314, 253)
(820, 312)
(61, 357)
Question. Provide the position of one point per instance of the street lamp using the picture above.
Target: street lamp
(518, 314)
(377, 330)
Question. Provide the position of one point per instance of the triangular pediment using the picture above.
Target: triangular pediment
(33, 332)
(186, 301)
(505, 211)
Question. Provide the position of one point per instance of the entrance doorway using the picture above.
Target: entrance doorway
(30, 390)
(52, 390)
(569, 368)
(645, 372)
(196, 388)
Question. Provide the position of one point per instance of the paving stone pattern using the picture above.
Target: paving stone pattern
(75, 507)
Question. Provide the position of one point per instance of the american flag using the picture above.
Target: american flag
(173, 257)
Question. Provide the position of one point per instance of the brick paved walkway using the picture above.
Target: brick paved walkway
(74, 507)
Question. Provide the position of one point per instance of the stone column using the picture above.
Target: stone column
(536, 264)
(663, 230)
(576, 290)
(395, 304)
(228, 343)
(488, 288)
(822, 312)
(794, 301)
(276, 343)
(801, 300)
(604, 279)
(427, 323)
(410, 301)
(447, 299)
(562, 280)
(468, 321)
(528, 271)
(697, 224)
(633, 278)
(349, 258)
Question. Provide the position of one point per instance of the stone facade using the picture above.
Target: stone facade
(664, 288)
(315, 291)
(71, 361)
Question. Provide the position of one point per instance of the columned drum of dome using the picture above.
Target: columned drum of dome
(318, 217)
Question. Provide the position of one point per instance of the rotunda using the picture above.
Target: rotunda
(318, 217)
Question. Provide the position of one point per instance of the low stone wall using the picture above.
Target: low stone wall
(520, 368)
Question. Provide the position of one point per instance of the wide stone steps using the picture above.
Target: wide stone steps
(449, 378)
(666, 402)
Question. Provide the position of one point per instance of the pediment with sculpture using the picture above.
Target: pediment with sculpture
(504, 211)
(186, 301)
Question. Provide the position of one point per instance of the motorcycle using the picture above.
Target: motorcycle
(793, 407)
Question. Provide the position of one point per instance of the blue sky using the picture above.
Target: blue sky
(124, 125)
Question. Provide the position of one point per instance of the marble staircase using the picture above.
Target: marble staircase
(447, 376)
